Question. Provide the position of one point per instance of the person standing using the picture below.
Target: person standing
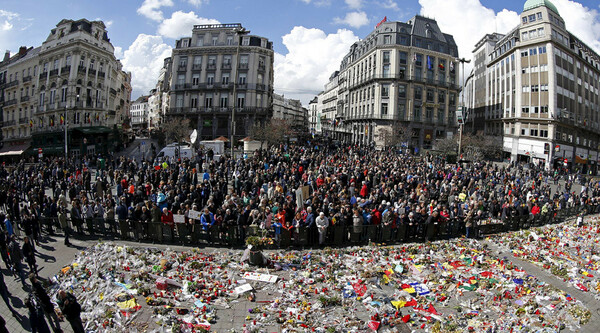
(29, 254)
(9, 226)
(64, 224)
(71, 310)
(36, 314)
(322, 223)
(47, 305)
(16, 256)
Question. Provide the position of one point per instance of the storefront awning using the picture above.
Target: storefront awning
(14, 150)
(93, 130)
(580, 160)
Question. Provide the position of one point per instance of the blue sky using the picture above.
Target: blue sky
(309, 36)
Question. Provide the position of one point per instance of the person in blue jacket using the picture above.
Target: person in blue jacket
(207, 220)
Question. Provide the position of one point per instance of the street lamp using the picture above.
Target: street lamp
(239, 31)
(462, 61)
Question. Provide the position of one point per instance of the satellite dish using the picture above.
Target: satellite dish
(194, 136)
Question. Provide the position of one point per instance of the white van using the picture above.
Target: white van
(176, 151)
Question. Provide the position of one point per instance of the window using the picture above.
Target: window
(524, 19)
(215, 40)
(539, 16)
(52, 96)
(542, 49)
(197, 62)
(524, 54)
(540, 32)
(223, 101)
(212, 61)
(245, 41)
(533, 51)
(430, 95)
(419, 60)
(452, 99)
(42, 97)
(441, 97)
(225, 78)
(386, 70)
(194, 102)
(210, 79)
(259, 78)
(179, 101)
(532, 34)
(185, 43)
(386, 57)
(531, 18)
(385, 90)
(418, 93)
(63, 94)
(45, 68)
(241, 99)
(402, 56)
(181, 79)
(526, 89)
(387, 39)
(195, 79)
(208, 100)
(384, 109)
(242, 78)
(402, 91)
(200, 41)
(229, 40)
(544, 87)
(183, 62)
(244, 60)
(227, 59)
(68, 61)
(525, 109)
(524, 36)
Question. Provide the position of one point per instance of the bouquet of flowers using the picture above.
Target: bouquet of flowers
(258, 241)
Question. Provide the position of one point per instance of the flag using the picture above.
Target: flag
(451, 66)
(441, 67)
(97, 117)
(429, 63)
(415, 57)
(62, 119)
(52, 121)
(30, 123)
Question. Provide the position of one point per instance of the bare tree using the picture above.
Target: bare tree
(176, 130)
(478, 146)
(273, 132)
(447, 146)
(395, 135)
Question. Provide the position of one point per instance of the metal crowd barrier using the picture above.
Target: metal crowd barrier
(337, 235)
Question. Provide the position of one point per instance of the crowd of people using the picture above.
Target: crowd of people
(298, 193)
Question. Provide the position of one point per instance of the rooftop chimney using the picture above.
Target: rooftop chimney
(6, 55)
(22, 50)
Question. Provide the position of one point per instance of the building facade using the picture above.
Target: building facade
(543, 92)
(139, 113)
(73, 79)
(292, 111)
(314, 121)
(222, 80)
(401, 77)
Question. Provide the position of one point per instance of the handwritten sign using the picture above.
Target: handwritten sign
(260, 277)
(177, 218)
(194, 214)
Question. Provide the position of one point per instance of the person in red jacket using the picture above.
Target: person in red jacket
(535, 209)
(364, 191)
(167, 219)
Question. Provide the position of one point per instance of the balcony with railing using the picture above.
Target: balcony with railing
(43, 76)
(62, 104)
(91, 72)
(243, 65)
(260, 86)
(53, 72)
(81, 69)
(27, 79)
(11, 102)
(211, 66)
(12, 84)
(65, 69)
(8, 123)
(196, 67)
(101, 74)
(179, 86)
(226, 65)
(51, 106)
(182, 68)
(23, 120)
(261, 67)
(24, 99)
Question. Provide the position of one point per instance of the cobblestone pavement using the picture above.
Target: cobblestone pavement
(53, 255)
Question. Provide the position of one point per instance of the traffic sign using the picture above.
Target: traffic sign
(40, 153)
(143, 143)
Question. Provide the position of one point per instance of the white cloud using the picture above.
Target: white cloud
(312, 57)
(475, 21)
(8, 15)
(353, 19)
(144, 59)
(583, 22)
(306, 1)
(390, 4)
(118, 52)
(107, 23)
(354, 4)
(181, 24)
(151, 8)
(197, 3)
(6, 26)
